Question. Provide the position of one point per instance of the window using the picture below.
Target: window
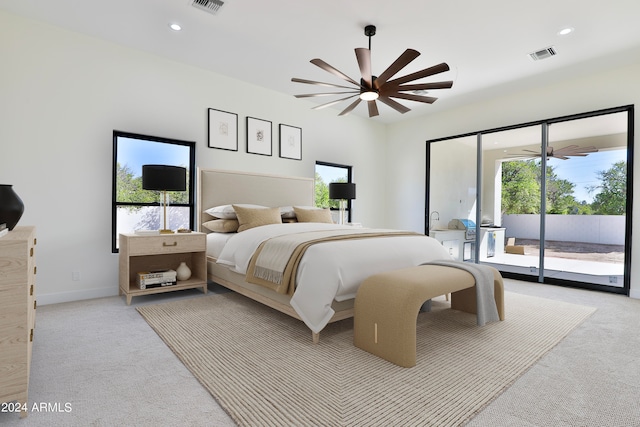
(327, 173)
(134, 208)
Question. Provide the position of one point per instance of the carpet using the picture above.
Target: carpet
(264, 370)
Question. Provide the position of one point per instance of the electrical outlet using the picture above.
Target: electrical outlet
(75, 276)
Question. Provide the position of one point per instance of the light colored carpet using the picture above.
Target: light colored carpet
(263, 369)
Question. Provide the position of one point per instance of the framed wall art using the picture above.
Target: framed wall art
(290, 142)
(223, 130)
(258, 136)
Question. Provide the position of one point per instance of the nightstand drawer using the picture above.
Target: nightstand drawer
(168, 244)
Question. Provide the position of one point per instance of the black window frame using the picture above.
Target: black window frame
(349, 169)
(191, 183)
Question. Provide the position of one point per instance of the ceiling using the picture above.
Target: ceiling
(486, 44)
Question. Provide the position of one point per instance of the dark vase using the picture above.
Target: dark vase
(11, 206)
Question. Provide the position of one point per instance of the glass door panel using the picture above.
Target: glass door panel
(509, 233)
(584, 229)
(451, 195)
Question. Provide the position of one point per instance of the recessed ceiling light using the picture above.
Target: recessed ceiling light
(565, 31)
(175, 27)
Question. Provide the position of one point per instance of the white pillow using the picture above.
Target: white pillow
(227, 212)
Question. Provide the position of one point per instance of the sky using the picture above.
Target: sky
(136, 152)
(583, 171)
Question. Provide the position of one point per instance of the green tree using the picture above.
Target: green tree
(129, 189)
(521, 190)
(560, 199)
(322, 193)
(520, 187)
(612, 198)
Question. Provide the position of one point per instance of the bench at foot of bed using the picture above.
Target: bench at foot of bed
(387, 305)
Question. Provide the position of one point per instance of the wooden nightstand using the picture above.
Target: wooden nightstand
(140, 253)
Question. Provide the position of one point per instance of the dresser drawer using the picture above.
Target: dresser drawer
(168, 244)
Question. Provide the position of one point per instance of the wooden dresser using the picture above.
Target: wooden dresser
(17, 314)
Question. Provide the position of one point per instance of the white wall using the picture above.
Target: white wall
(599, 229)
(61, 96)
(406, 140)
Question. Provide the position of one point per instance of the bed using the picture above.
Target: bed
(330, 272)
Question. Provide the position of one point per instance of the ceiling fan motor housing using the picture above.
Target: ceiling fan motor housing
(370, 30)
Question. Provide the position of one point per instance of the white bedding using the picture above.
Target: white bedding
(332, 270)
(216, 242)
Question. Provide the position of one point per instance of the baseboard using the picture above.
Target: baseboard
(60, 297)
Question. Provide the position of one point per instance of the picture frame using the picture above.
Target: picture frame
(259, 136)
(290, 142)
(223, 130)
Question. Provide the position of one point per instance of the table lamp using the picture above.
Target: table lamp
(164, 178)
(342, 191)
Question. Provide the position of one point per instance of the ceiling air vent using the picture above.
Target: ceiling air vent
(545, 53)
(211, 6)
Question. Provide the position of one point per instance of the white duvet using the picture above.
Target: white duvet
(332, 270)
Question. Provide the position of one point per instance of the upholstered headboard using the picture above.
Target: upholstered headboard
(222, 187)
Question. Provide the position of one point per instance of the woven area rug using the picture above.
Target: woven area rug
(264, 370)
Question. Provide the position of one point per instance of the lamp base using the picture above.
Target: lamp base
(166, 231)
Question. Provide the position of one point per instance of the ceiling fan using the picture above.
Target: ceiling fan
(563, 153)
(372, 88)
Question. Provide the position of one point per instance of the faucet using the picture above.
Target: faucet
(431, 218)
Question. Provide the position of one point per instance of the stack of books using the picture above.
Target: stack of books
(3, 229)
(156, 279)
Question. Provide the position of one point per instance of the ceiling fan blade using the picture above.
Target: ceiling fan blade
(410, 97)
(436, 69)
(531, 151)
(393, 104)
(373, 108)
(320, 63)
(421, 86)
(393, 69)
(310, 95)
(351, 106)
(560, 157)
(363, 56)
(329, 104)
(312, 82)
(574, 150)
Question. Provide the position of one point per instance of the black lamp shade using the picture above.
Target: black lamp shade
(164, 178)
(342, 190)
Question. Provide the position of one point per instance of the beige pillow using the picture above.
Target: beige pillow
(252, 217)
(313, 215)
(222, 225)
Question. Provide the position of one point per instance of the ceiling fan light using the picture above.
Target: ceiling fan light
(369, 95)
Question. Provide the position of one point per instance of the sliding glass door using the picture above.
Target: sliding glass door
(586, 186)
(553, 202)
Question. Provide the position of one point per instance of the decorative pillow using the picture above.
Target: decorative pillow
(313, 214)
(255, 217)
(227, 211)
(222, 225)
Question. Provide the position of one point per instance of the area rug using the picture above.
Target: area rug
(264, 370)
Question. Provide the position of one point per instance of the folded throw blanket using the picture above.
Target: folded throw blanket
(485, 302)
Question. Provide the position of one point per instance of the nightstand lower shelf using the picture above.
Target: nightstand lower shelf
(134, 291)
